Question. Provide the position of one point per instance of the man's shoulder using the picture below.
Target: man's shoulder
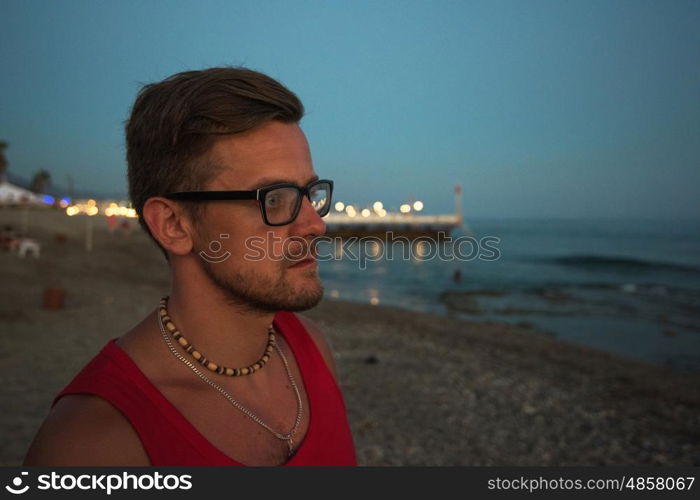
(84, 429)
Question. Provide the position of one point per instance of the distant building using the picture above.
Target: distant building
(15, 195)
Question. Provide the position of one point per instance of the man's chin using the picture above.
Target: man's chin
(301, 306)
(305, 299)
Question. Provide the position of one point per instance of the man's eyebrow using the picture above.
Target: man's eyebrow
(270, 181)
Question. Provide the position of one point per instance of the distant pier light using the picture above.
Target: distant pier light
(374, 219)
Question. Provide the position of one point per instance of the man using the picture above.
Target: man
(220, 373)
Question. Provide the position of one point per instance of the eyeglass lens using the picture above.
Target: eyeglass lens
(281, 204)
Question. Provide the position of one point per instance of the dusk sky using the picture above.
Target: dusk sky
(537, 108)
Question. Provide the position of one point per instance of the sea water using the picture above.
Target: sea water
(630, 287)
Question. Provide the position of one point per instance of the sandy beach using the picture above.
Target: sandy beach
(420, 389)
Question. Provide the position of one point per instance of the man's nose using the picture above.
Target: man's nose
(308, 222)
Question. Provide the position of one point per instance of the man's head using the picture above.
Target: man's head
(174, 124)
(225, 129)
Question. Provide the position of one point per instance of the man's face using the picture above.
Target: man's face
(263, 271)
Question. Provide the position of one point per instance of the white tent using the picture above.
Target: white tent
(11, 194)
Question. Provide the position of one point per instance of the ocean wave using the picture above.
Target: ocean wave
(602, 262)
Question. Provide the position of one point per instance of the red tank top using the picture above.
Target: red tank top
(171, 440)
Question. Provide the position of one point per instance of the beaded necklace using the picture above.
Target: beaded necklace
(202, 359)
(288, 437)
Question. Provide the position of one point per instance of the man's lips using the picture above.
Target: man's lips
(301, 257)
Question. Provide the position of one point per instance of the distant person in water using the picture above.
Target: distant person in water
(221, 372)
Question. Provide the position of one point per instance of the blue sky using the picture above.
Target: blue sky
(538, 108)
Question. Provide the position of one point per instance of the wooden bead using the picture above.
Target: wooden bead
(245, 371)
(229, 371)
(212, 366)
(170, 326)
(182, 341)
(196, 355)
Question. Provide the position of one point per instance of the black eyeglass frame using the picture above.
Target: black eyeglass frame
(258, 194)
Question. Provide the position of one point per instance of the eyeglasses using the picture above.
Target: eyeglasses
(279, 203)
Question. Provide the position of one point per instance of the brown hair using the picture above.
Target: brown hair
(174, 123)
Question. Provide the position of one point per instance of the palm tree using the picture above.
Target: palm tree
(40, 181)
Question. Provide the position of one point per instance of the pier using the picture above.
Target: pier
(349, 221)
(410, 226)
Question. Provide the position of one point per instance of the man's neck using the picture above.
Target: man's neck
(226, 334)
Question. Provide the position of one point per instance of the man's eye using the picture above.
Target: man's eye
(272, 200)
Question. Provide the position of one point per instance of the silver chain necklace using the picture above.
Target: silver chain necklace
(284, 437)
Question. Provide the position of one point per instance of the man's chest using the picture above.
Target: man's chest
(252, 428)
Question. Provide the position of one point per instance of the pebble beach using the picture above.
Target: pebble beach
(420, 388)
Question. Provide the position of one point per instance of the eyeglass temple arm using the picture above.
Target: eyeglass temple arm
(213, 195)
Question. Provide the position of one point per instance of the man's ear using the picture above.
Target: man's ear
(169, 225)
